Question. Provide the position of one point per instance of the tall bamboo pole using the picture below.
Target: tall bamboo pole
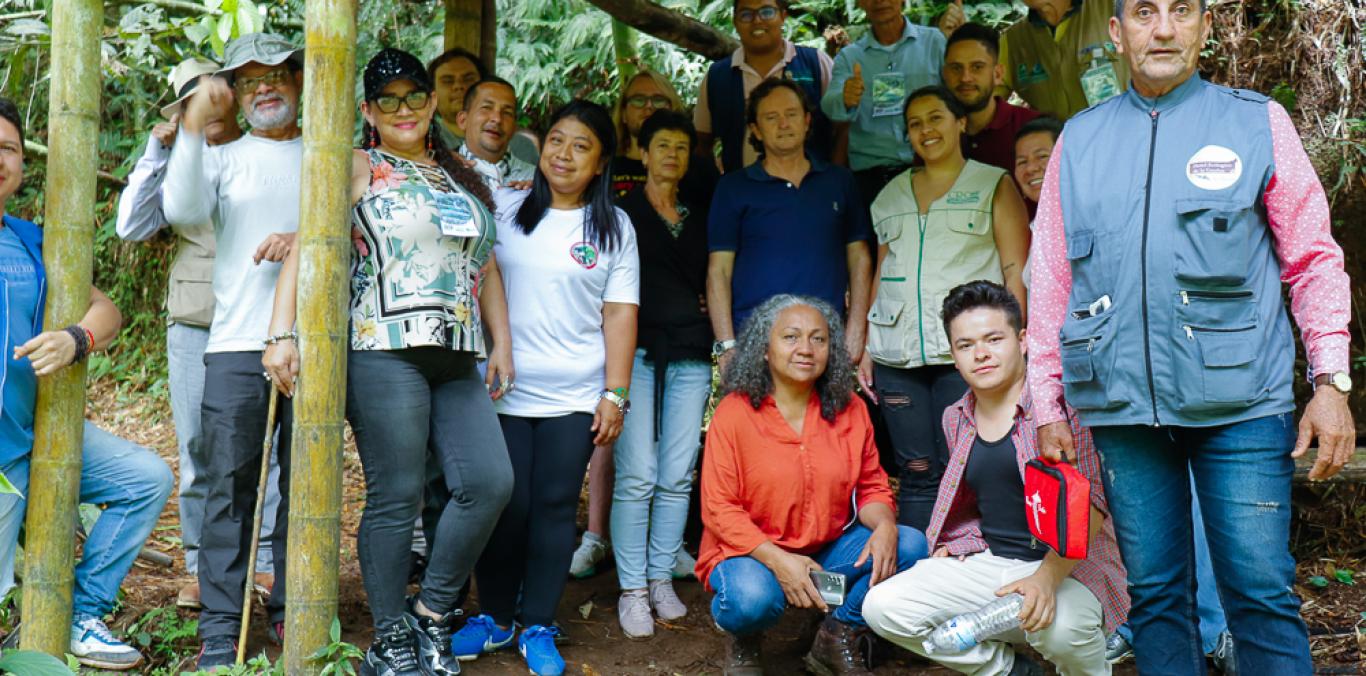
(464, 24)
(68, 226)
(324, 253)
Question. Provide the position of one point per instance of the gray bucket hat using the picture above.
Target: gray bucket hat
(267, 49)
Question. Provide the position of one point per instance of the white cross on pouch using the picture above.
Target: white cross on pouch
(1035, 504)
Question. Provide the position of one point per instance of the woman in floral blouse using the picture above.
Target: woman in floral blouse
(423, 284)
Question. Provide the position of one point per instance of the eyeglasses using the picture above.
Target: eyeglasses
(415, 100)
(247, 85)
(765, 13)
(658, 101)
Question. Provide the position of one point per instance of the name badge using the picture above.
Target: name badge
(456, 214)
(889, 93)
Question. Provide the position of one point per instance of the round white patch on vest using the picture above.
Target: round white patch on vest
(1214, 168)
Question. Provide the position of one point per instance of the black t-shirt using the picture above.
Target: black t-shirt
(994, 475)
(695, 188)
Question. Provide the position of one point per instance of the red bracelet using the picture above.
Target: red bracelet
(90, 336)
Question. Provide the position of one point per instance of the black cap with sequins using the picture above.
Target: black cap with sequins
(390, 65)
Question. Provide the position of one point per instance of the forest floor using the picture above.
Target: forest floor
(1328, 546)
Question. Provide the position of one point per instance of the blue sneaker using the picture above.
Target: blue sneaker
(537, 644)
(480, 635)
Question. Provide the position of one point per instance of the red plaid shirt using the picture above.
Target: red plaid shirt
(956, 523)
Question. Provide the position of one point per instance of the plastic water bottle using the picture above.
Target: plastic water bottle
(967, 630)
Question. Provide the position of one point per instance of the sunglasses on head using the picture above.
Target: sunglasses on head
(415, 100)
(658, 101)
(765, 13)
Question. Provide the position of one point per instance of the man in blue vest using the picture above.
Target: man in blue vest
(763, 53)
(1170, 215)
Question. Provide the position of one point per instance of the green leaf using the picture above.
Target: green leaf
(248, 18)
(225, 25)
(8, 488)
(216, 42)
(1344, 575)
(32, 663)
(1319, 581)
(196, 31)
(335, 631)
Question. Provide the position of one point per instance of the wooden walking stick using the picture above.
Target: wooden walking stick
(256, 525)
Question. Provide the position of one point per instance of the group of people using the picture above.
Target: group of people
(867, 247)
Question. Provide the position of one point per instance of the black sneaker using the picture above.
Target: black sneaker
(216, 652)
(394, 652)
(434, 640)
(1225, 654)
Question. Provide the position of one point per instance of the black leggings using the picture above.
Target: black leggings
(533, 542)
(913, 402)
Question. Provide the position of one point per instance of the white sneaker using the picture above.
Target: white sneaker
(684, 565)
(95, 646)
(665, 601)
(633, 611)
(592, 549)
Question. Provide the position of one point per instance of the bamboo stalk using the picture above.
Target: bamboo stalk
(324, 250)
(54, 477)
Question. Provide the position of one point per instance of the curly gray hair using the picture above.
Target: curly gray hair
(748, 372)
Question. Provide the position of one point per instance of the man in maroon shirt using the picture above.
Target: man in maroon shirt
(972, 70)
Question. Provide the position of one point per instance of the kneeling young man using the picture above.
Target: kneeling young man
(979, 536)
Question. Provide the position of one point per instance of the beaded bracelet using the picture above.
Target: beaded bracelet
(288, 335)
(78, 335)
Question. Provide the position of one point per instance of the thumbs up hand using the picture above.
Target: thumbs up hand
(853, 87)
(952, 18)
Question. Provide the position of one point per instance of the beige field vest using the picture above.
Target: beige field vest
(189, 291)
(927, 256)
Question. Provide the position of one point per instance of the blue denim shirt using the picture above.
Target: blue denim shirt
(21, 300)
(877, 131)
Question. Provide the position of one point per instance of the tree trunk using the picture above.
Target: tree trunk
(68, 255)
(315, 479)
(670, 26)
(464, 24)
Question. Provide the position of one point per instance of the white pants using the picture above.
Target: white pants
(906, 608)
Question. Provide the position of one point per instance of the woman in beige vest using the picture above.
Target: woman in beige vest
(949, 222)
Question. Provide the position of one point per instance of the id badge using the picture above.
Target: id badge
(456, 215)
(1099, 82)
(889, 93)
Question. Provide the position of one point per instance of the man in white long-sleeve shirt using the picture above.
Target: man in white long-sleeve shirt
(189, 309)
(249, 190)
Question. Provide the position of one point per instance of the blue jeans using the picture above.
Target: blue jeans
(749, 599)
(654, 467)
(1242, 474)
(1211, 611)
(131, 482)
(185, 357)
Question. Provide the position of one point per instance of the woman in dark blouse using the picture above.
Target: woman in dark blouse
(672, 372)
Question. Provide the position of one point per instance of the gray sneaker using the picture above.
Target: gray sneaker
(1225, 654)
(592, 550)
(633, 611)
(93, 645)
(665, 601)
(684, 564)
(1117, 648)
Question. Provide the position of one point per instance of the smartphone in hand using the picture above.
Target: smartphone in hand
(831, 586)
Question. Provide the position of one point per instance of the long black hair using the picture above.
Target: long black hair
(600, 223)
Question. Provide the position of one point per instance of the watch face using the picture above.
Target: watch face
(1342, 382)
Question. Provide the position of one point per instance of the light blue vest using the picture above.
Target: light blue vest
(1163, 205)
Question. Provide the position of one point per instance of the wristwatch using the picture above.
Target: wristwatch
(720, 347)
(1340, 381)
(621, 402)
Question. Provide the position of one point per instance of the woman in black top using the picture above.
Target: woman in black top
(656, 453)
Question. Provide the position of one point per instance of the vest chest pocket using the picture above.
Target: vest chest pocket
(1088, 357)
(1215, 240)
(969, 221)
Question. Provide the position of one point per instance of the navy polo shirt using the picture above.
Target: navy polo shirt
(787, 239)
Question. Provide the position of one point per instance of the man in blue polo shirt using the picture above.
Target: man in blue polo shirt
(868, 89)
(789, 223)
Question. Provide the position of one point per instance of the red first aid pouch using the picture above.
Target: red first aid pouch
(1058, 506)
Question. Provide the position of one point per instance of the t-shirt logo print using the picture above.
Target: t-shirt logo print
(585, 254)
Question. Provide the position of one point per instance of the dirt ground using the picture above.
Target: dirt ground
(594, 644)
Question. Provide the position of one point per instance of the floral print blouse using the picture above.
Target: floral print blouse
(417, 285)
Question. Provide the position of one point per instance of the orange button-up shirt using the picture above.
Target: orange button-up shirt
(761, 482)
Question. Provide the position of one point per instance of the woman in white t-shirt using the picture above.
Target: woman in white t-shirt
(569, 263)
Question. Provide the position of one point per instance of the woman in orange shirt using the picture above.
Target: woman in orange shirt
(791, 484)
